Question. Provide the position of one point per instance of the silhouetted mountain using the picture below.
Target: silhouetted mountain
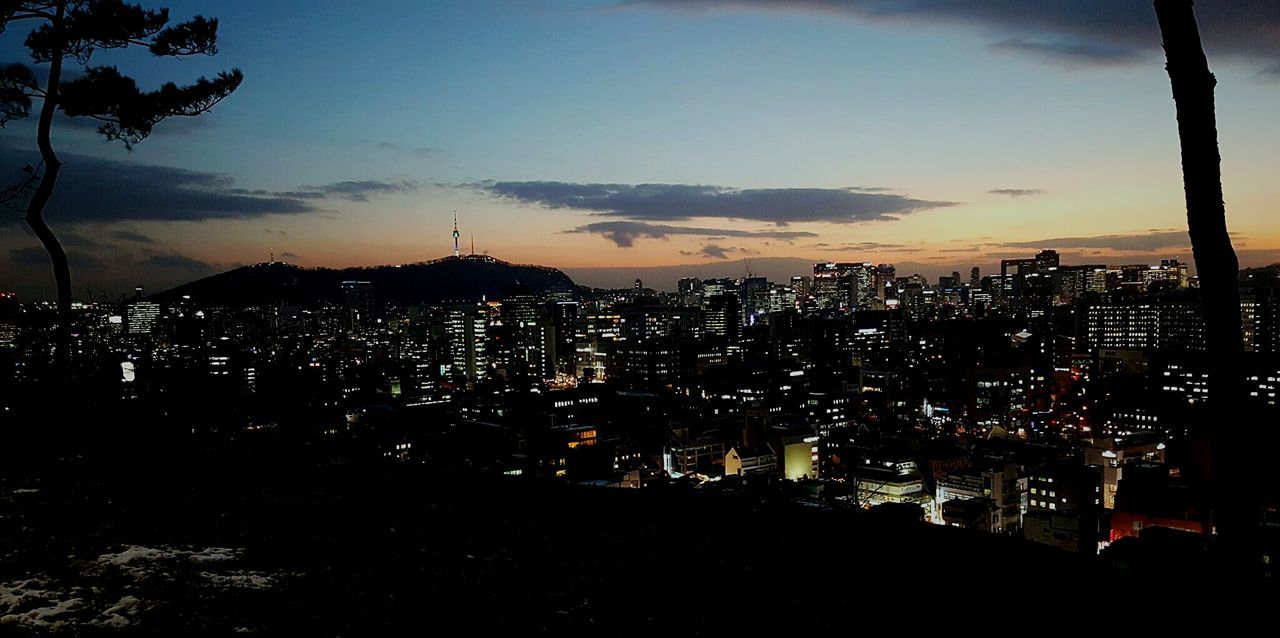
(448, 279)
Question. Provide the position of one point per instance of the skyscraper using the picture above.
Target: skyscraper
(360, 305)
(690, 291)
(466, 331)
(142, 316)
(8, 319)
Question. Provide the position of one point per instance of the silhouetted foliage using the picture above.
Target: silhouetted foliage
(71, 31)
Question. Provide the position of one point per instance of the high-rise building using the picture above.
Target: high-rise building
(466, 332)
(882, 282)
(1047, 260)
(359, 304)
(8, 320)
(141, 317)
(712, 288)
(594, 334)
(690, 289)
(564, 314)
(839, 286)
(755, 299)
(1139, 322)
(531, 334)
(781, 298)
(802, 287)
(721, 318)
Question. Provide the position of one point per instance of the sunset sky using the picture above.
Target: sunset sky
(937, 135)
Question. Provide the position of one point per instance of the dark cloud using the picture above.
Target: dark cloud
(873, 245)
(36, 256)
(625, 233)
(1073, 32)
(175, 263)
(95, 189)
(1136, 241)
(92, 189)
(673, 202)
(288, 255)
(355, 190)
(1016, 192)
(722, 252)
(75, 240)
(362, 190)
(129, 235)
(717, 252)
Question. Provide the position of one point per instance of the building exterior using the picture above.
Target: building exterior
(141, 317)
(743, 461)
(997, 483)
(9, 312)
(466, 332)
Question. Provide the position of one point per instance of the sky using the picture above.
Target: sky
(610, 136)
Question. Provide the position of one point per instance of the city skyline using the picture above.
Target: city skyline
(614, 316)
(564, 138)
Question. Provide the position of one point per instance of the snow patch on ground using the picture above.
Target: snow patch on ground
(135, 554)
(240, 579)
(40, 602)
(34, 602)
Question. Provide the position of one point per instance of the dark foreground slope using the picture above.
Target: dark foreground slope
(465, 278)
(189, 549)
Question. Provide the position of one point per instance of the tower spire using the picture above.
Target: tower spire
(456, 252)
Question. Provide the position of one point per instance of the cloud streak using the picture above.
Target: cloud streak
(129, 235)
(681, 202)
(35, 256)
(1135, 241)
(625, 233)
(1072, 33)
(1071, 54)
(351, 190)
(1016, 192)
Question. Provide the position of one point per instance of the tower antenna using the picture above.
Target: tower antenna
(456, 252)
(473, 244)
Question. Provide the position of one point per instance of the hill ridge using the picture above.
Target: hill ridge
(463, 278)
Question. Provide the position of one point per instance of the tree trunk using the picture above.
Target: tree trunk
(1229, 465)
(35, 209)
(1215, 259)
